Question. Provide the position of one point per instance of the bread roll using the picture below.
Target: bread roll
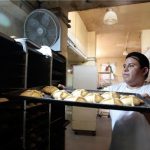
(71, 98)
(108, 95)
(131, 100)
(79, 92)
(60, 94)
(49, 89)
(75, 99)
(93, 97)
(112, 101)
(80, 99)
(3, 100)
(33, 93)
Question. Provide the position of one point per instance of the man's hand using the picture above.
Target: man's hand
(60, 86)
(145, 95)
(147, 115)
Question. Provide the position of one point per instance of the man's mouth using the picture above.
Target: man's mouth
(125, 75)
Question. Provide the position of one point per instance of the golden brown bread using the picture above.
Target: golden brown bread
(71, 98)
(131, 100)
(80, 99)
(75, 98)
(112, 101)
(32, 93)
(49, 89)
(3, 100)
(108, 95)
(124, 100)
(60, 94)
(80, 92)
(93, 97)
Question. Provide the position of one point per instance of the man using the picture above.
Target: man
(131, 130)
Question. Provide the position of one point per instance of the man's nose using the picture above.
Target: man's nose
(126, 68)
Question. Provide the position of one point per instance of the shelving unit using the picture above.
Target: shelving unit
(11, 126)
(36, 127)
(32, 126)
(58, 69)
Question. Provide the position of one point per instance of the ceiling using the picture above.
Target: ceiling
(133, 16)
(112, 40)
(72, 5)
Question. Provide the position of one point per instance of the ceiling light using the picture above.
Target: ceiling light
(110, 17)
(125, 53)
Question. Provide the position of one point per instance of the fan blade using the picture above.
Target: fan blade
(32, 37)
(45, 20)
(45, 41)
(33, 23)
(51, 36)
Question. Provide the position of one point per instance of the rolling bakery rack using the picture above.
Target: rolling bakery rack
(39, 123)
(29, 125)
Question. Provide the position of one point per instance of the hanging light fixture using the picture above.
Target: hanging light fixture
(125, 52)
(110, 17)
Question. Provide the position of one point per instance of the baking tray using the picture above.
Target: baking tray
(15, 96)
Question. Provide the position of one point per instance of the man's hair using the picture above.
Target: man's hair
(141, 58)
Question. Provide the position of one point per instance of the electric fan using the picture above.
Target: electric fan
(43, 28)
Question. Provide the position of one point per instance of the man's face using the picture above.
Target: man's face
(132, 72)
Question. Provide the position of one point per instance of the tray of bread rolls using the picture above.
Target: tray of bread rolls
(83, 98)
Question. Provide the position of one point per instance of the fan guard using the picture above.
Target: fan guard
(42, 27)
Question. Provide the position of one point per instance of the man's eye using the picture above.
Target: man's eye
(124, 66)
(131, 65)
(128, 66)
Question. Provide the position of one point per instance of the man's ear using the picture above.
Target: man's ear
(145, 70)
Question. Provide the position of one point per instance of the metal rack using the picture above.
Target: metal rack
(58, 69)
(26, 125)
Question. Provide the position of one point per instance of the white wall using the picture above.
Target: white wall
(145, 45)
(145, 40)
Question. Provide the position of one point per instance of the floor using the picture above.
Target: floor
(87, 141)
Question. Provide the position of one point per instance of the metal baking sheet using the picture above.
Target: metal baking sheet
(15, 95)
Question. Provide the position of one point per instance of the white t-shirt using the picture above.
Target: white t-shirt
(131, 130)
